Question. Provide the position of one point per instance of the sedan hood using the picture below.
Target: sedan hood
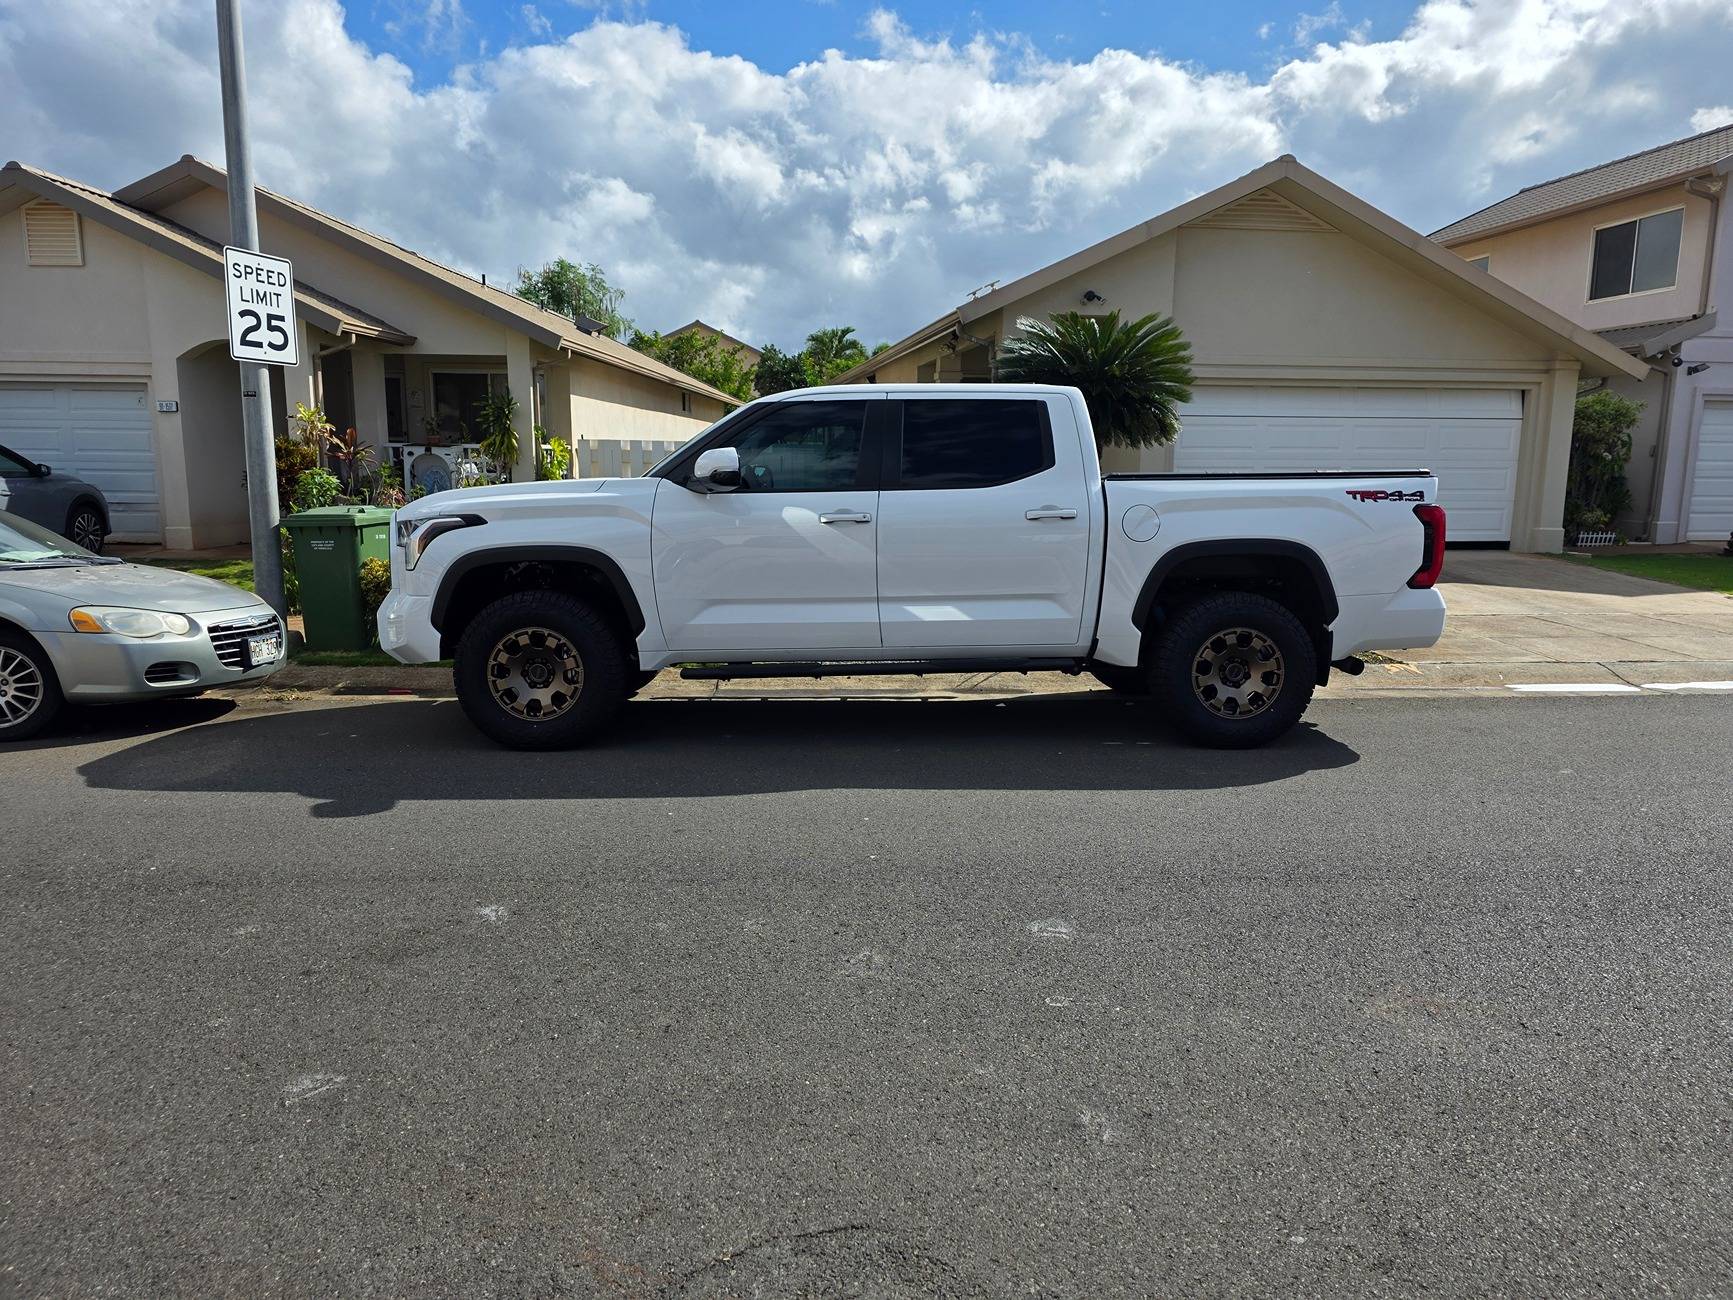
(133, 586)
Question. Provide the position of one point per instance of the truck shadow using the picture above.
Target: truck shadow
(360, 759)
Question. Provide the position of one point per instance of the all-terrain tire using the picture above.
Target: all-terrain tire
(30, 697)
(1229, 633)
(540, 670)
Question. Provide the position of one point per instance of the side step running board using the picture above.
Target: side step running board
(916, 667)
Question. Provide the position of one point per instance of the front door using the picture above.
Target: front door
(984, 522)
(786, 561)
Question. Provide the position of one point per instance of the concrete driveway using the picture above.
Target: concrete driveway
(1535, 618)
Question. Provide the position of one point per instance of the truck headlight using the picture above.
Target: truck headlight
(140, 623)
(414, 535)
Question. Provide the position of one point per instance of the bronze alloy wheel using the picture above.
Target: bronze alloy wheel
(535, 674)
(1237, 673)
(21, 688)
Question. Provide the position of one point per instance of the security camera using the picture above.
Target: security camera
(1678, 361)
(1090, 296)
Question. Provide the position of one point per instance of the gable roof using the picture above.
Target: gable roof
(187, 246)
(707, 328)
(1307, 193)
(186, 176)
(1663, 165)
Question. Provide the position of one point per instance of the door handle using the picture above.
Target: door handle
(846, 517)
(1050, 512)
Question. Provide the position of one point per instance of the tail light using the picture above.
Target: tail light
(1432, 551)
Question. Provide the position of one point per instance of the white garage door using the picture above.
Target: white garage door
(1711, 509)
(100, 433)
(1468, 437)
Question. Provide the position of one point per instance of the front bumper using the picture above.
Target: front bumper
(406, 630)
(103, 667)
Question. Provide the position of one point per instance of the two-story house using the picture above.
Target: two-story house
(1640, 250)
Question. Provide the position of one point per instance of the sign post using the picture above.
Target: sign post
(255, 287)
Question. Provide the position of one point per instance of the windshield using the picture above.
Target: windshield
(22, 542)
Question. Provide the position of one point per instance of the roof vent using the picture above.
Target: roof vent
(51, 235)
(1260, 210)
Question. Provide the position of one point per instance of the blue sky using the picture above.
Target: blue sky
(1234, 35)
(719, 164)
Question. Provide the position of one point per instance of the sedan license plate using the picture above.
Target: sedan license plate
(264, 649)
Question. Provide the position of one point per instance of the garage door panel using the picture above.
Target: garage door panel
(1710, 511)
(1469, 438)
(99, 433)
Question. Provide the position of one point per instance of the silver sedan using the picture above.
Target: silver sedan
(77, 626)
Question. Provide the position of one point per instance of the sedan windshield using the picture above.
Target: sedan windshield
(25, 543)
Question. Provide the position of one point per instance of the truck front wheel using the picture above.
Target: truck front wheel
(1234, 669)
(540, 670)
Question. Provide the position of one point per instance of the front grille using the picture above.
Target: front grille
(229, 639)
(165, 673)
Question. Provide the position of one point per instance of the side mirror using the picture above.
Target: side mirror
(42, 471)
(717, 470)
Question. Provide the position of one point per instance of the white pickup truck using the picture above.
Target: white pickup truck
(926, 528)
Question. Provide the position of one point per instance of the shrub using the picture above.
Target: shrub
(315, 489)
(555, 461)
(375, 587)
(498, 430)
(291, 579)
(1595, 490)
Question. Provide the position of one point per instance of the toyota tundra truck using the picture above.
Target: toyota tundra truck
(908, 529)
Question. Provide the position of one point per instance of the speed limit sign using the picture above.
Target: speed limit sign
(261, 297)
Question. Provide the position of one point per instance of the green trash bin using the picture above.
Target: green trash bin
(330, 544)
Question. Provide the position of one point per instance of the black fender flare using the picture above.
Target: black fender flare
(1235, 547)
(600, 561)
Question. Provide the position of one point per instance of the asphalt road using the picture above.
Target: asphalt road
(880, 1000)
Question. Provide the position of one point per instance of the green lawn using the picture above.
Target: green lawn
(237, 573)
(1705, 572)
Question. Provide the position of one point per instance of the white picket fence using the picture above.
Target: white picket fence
(623, 458)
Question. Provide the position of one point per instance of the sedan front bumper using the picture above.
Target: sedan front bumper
(96, 667)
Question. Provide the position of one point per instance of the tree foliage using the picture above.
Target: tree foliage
(703, 356)
(1133, 376)
(831, 351)
(779, 371)
(1596, 493)
(573, 290)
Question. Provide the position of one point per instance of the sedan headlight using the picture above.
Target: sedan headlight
(141, 623)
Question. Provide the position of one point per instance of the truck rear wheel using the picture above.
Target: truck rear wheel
(1234, 669)
(540, 670)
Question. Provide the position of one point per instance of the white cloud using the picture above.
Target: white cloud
(1707, 119)
(873, 189)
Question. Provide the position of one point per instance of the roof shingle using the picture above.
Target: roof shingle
(1639, 171)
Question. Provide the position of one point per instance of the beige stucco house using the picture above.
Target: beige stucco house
(114, 361)
(1640, 250)
(1325, 335)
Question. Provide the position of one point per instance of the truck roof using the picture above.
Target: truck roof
(912, 386)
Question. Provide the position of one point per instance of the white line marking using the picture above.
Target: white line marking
(1579, 688)
(309, 1086)
(493, 913)
(1688, 686)
(1054, 927)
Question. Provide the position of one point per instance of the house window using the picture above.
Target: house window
(1636, 256)
(1481, 263)
(685, 402)
(457, 399)
(394, 430)
(51, 235)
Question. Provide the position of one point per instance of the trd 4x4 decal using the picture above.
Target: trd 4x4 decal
(1380, 494)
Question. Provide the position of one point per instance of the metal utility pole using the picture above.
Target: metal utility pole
(255, 377)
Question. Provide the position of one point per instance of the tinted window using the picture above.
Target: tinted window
(803, 447)
(965, 443)
(1614, 248)
(10, 464)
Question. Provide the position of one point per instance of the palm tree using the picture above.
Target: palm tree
(1132, 376)
(831, 351)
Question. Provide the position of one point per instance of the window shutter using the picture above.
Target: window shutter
(51, 235)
